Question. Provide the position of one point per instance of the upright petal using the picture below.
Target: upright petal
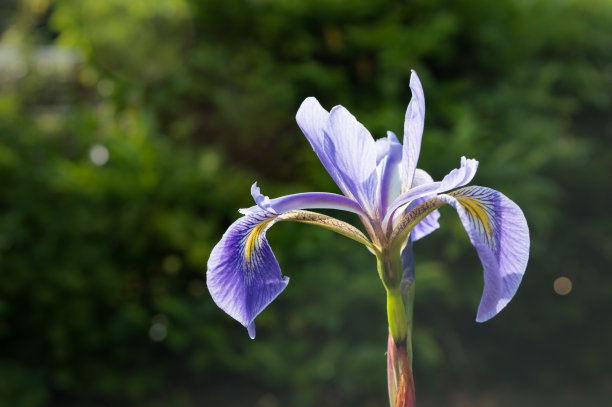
(498, 230)
(312, 119)
(346, 149)
(413, 131)
(352, 150)
(388, 159)
(243, 275)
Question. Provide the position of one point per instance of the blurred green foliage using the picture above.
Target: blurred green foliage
(130, 132)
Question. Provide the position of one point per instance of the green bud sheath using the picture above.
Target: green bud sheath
(396, 313)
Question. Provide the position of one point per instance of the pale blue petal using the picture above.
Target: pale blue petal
(459, 176)
(388, 159)
(312, 119)
(344, 146)
(352, 150)
(386, 146)
(413, 130)
(498, 230)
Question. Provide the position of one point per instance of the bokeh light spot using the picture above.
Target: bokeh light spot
(159, 328)
(98, 154)
(268, 400)
(562, 285)
(158, 332)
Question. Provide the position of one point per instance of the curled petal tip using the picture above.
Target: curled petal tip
(251, 330)
(459, 176)
(261, 200)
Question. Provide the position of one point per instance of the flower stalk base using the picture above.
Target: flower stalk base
(404, 393)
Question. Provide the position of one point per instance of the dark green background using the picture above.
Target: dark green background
(102, 268)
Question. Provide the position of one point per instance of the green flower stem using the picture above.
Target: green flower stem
(400, 299)
(396, 313)
(408, 299)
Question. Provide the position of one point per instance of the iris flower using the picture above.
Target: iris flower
(397, 204)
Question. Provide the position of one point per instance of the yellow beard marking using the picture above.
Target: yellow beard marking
(253, 237)
(476, 209)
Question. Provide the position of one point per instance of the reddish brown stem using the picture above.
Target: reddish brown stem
(401, 382)
(405, 388)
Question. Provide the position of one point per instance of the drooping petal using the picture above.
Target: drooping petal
(413, 131)
(498, 230)
(243, 275)
(388, 159)
(349, 146)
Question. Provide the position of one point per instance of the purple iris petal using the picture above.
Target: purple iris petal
(413, 130)
(498, 230)
(407, 266)
(388, 158)
(243, 275)
(352, 150)
(304, 200)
